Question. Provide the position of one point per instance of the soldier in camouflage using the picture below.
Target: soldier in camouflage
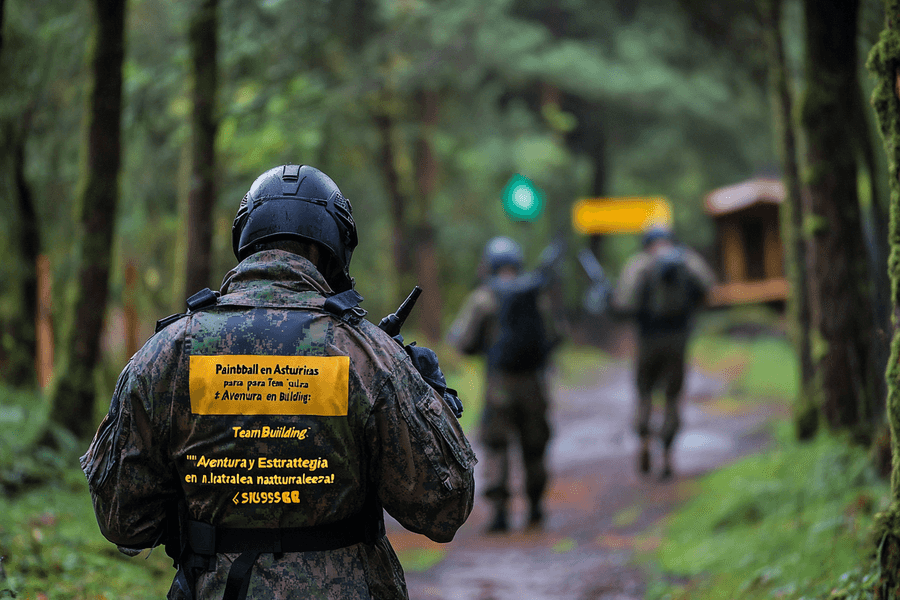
(261, 435)
(516, 402)
(663, 322)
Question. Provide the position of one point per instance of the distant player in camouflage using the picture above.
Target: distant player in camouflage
(261, 435)
(661, 288)
(516, 400)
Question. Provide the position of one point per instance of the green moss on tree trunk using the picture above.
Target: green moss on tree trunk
(840, 277)
(884, 64)
(806, 407)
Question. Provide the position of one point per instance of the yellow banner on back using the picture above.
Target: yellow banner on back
(269, 385)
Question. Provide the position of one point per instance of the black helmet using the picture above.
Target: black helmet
(502, 252)
(297, 202)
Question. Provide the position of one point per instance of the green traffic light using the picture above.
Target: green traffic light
(522, 200)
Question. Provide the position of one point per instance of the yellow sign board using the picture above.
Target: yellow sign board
(620, 215)
(269, 385)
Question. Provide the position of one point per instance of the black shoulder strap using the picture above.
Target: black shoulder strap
(202, 299)
(165, 322)
(345, 306)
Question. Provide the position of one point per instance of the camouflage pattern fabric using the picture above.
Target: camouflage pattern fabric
(515, 411)
(627, 295)
(660, 364)
(515, 404)
(660, 355)
(265, 411)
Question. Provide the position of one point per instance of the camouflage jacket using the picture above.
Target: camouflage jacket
(265, 411)
(628, 295)
(476, 327)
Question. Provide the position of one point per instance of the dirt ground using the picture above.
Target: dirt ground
(599, 509)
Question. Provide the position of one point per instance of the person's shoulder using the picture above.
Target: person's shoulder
(484, 295)
(164, 347)
(692, 253)
(369, 342)
(638, 262)
(692, 257)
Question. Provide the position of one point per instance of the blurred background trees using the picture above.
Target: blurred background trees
(422, 111)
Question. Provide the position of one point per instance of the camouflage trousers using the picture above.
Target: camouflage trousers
(660, 365)
(515, 412)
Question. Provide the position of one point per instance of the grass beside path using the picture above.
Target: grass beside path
(792, 523)
(50, 544)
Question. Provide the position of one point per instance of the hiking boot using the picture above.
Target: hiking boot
(536, 516)
(666, 473)
(499, 524)
(644, 459)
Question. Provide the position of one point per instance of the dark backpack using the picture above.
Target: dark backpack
(670, 292)
(522, 342)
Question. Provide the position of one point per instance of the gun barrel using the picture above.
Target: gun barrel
(591, 266)
(408, 304)
(392, 323)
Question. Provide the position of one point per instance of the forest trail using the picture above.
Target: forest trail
(599, 509)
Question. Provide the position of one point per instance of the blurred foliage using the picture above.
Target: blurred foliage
(747, 345)
(791, 523)
(302, 81)
(50, 545)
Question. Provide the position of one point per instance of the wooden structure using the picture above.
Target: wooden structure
(749, 258)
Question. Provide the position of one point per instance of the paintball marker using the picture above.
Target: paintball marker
(423, 359)
(596, 298)
(392, 323)
(550, 257)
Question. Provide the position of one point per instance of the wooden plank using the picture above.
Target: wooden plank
(773, 252)
(749, 292)
(734, 259)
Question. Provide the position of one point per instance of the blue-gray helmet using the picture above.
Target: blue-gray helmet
(297, 202)
(654, 233)
(502, 252)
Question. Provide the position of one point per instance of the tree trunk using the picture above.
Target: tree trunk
(884, 63)
(806, 416)
(589, 138)
(18, 354)
(73, 391)
(429, 318)
(398, 199)
(202, 194)
(840, 281)
(1, 24)
(876, 238)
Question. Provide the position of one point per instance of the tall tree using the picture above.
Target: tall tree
(398, 199)
(29, 235)
(806, 409)
(840, 282)
(18, 348)
(426, 247)
(875, 227)
(73, 394)
(884, 63)
(202, 193)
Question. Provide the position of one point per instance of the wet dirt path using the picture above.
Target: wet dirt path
(598, 506)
